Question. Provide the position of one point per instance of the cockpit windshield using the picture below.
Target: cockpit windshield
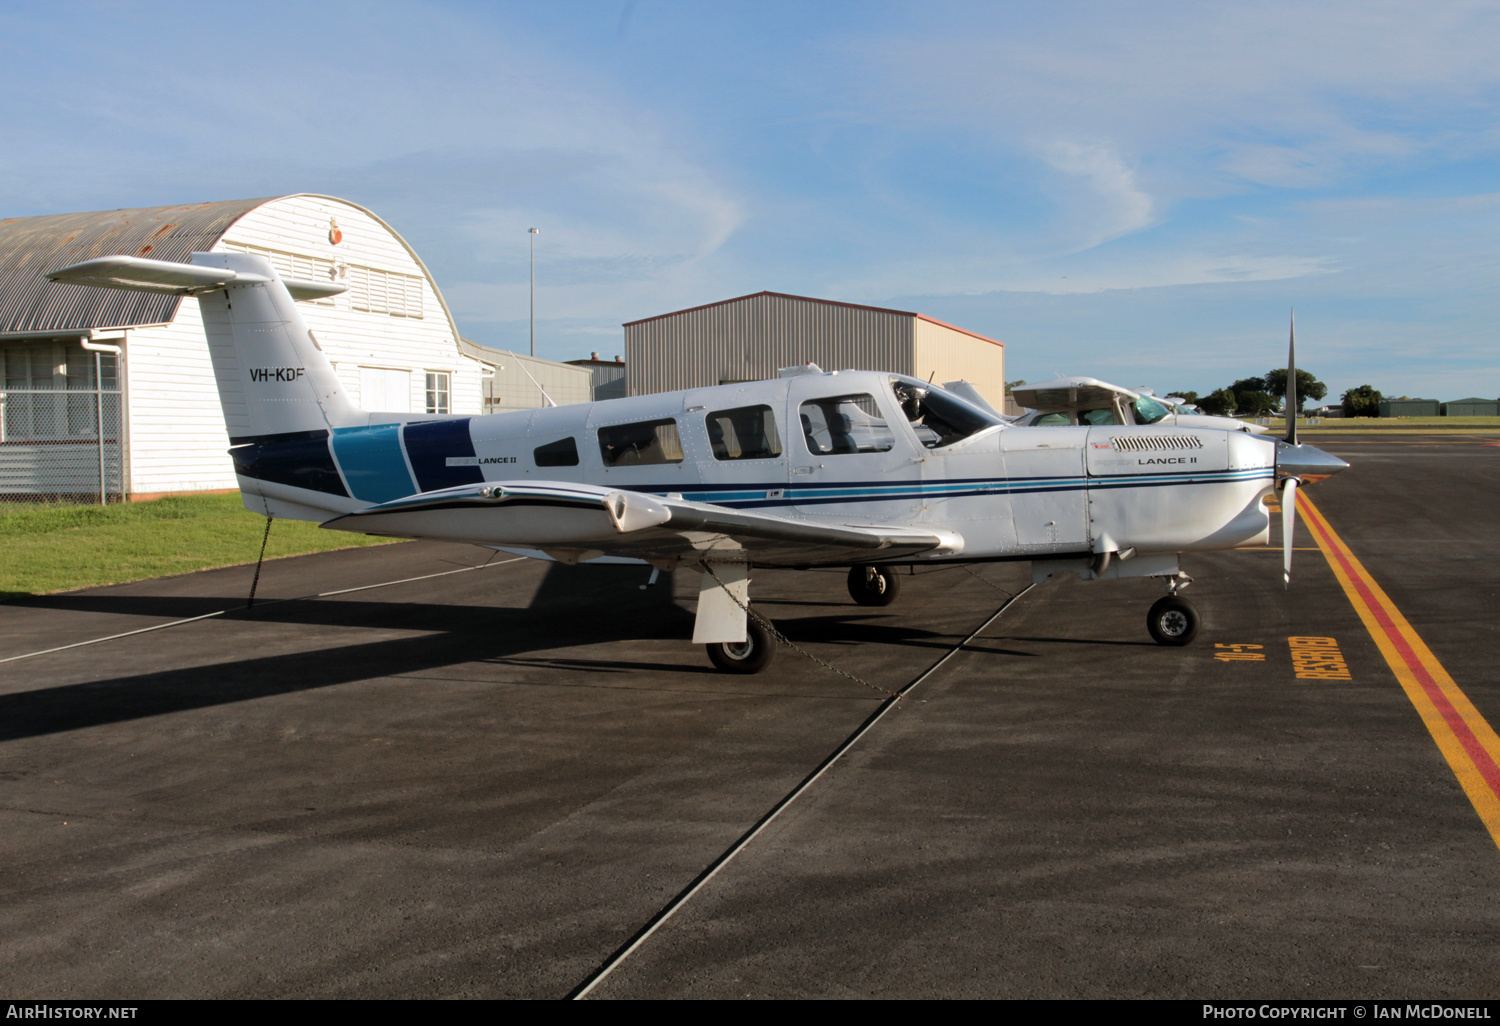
(938, 416)
(1148, 410)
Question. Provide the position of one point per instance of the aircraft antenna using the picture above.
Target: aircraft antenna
(539, 388)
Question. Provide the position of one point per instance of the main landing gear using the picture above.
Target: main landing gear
(1173, 620)
(749, 656)
(874, 585)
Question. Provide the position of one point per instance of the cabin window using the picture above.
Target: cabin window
(845, 424)
(561, 453)
(1052, 420)
(439, 388)
(744, 433)
(1097, 418)
(640, 445)
(1148, 410)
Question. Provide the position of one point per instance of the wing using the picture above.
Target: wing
(574, 522)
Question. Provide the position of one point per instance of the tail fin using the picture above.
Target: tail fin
(273, 378)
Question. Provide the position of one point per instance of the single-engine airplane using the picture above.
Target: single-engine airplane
(1089, 401)
(861, 469)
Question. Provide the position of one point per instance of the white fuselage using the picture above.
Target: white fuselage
(1007, 491)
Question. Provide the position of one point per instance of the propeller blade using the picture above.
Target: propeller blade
(1291, 384)
(1288, 525)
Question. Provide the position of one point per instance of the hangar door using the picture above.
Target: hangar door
(56, 396)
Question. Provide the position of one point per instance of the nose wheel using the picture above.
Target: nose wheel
(1173, 620)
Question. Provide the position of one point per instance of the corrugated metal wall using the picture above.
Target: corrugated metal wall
(947, 354)
(511, 389)
(751, 338)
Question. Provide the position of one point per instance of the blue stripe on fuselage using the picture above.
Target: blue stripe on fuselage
(371, 460)
(429, 444)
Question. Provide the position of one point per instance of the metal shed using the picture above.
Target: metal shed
(609, 378)
(1472, 407)
(145, 415)
(750, 337)
(1409, 407)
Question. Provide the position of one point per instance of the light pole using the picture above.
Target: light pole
(533, 232)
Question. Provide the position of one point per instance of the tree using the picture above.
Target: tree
(1010, 385)
(1219, 404)
(1308, 387)
(1185, 396)
(1251, 397)
(1363, 401)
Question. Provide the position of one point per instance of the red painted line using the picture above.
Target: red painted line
(1481, 758)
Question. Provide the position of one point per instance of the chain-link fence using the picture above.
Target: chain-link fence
(52, 449)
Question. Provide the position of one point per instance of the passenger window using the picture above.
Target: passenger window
(845, 424)
(745, 433)
(640, 445)
(1098, 418)
(561, 453)
(1052, 420)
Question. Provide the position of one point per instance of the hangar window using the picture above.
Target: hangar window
(439, 389)
(561, 453)
(845, 424)
(642, 444)
(292, 265)
(387, 292)
(744, 433)
(47, 392)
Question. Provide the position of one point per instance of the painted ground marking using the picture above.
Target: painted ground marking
(1466, 740)
(1318, 659)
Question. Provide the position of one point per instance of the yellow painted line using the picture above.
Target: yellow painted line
(1468, 742)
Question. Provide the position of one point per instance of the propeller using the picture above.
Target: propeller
(1288, 522)
(1290, 482)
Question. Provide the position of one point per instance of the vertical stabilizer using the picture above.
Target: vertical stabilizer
(273, 378)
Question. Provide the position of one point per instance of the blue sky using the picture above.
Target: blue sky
(1139, 192)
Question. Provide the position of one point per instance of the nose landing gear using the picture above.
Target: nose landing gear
(1173, 620)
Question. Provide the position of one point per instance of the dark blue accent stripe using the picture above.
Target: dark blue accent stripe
(428, 446)
(371, 460)
(297, 458)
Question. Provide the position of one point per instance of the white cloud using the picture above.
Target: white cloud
(1113, 205)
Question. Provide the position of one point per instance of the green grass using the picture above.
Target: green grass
(59, 548)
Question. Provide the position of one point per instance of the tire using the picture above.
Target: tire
(874, 585)
(751, 657)
(1172, 621)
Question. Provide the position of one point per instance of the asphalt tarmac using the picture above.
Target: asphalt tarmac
(482, 784)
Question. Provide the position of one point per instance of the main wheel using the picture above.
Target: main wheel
(1172, 621)
(749, 656)
(874, 585)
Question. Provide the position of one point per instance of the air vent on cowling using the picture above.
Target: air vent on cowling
(1156, 443)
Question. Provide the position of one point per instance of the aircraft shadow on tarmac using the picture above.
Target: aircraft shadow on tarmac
(567, 610)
